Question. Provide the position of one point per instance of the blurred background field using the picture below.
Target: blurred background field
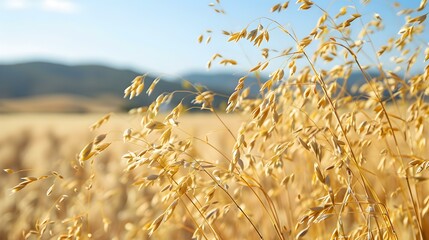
(39, 143)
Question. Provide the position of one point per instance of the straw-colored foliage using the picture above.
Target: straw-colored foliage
(308, 160)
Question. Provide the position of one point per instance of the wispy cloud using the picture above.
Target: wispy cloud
(17, 4)
(61, 6)
(65, 6)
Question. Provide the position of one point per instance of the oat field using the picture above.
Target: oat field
(41, 145)
(308, 157)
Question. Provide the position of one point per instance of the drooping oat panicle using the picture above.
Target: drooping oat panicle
(100, 122)
(136, 87)
(152, 86)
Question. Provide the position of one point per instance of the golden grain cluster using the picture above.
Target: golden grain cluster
(311, 158)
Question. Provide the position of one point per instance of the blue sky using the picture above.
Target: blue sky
(153, 36)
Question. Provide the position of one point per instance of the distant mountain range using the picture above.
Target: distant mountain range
(101, 83)
(41, 79)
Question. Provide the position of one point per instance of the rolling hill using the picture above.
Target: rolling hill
(43, 81)
(43, 86)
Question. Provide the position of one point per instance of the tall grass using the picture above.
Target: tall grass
(310, 160)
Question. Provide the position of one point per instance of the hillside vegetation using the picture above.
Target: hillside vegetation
(28, 87)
